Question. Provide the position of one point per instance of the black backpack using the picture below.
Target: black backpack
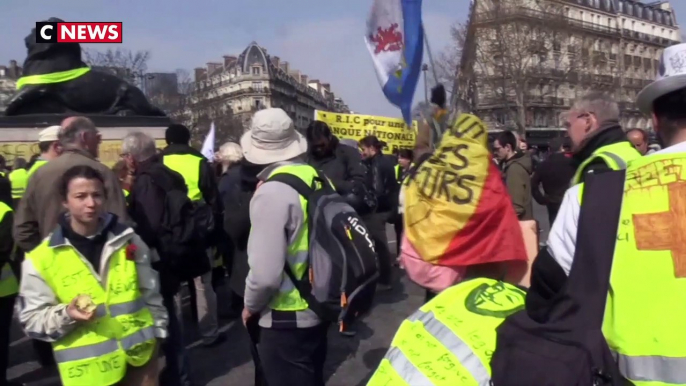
(342, 266)
(183, 235)
(570, 349)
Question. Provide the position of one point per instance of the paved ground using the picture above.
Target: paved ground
(350, 361)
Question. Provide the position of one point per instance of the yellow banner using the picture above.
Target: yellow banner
(109, 150)
(393, 131)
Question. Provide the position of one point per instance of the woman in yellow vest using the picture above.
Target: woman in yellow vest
(90, 290)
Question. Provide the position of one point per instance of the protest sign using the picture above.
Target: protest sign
(393, 131)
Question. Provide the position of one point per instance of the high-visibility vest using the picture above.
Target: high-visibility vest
(126, 192)
(97, 352)
(645, 312)
(450, 340)
(288, 298)
(36, 165)
(616, 156)
(8, 282)
(19, 179)
(399, 173)
(55, 77)
(188, 165)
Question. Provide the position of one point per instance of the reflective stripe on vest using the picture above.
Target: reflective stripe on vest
(188, 166)
(288, 297)
(36, 165)
(616, 156)
(450, 340)
(8, 282)
(55, 77)
(645, 312)
(18, 179)
(97, 353)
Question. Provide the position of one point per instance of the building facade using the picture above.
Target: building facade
(568, 48)
(8, 83)
(162, 90)
(254, 80)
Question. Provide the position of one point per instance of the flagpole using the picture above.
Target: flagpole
(431, 56)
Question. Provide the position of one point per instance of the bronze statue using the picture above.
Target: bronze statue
(55, 80)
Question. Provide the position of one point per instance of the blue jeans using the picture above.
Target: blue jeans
(176, 370)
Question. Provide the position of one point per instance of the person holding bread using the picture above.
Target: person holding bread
(89, 289)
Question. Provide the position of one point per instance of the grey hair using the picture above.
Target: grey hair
(602, 105)
(139, 145)
(229, 153)
(71, 133)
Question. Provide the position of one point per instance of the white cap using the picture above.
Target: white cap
(671, 77)
(49, 134)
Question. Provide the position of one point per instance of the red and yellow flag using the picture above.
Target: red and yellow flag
(457, 210)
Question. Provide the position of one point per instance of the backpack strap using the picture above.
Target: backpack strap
(294, 182)
(589, 277)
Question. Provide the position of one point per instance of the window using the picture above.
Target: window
(257, 86)
(256, 70)
(257, 103)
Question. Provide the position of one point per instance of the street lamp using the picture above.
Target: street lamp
(425, 68)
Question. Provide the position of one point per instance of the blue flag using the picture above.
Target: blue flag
(395, 39)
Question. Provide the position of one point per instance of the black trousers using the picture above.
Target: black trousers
(376, 225)
(293, 356)
(398, 227)
(6, 309)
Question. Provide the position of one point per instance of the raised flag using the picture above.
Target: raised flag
(395, 39)
(208, 144)
(457, 210)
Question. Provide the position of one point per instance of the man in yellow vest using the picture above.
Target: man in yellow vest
(598, 141)
(292, 344)
(8, 281)
(19, 177)
(450, 340)
(89, 289)
(202, 190)
(49, 146)
(645, 312)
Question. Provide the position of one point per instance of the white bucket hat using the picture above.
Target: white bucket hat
(671, 77)
(272, 138)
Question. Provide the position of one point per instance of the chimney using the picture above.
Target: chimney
(229, 60)
(314, 83)
(295, 74)
(276, 61)
(200, 73)
(285, 67)
(326, 86)
(212, 67)
(14, 71)
(303, 79)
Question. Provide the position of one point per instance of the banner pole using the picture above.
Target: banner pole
(431, 57)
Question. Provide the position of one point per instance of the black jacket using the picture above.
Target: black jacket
(146, 208)
(380, 177)
(6, 223)
(240, 183)
(343, 167)
(613, 134)
(555, 174)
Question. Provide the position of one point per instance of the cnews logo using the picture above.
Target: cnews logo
(51, 32)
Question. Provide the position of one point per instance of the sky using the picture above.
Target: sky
(324, 39)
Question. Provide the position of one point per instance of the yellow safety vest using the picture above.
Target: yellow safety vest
(188, 165)
(19, 179)
(8, 282)
(616, 156)
(97, 352)
(126, 192)
(288, 298)
(645, 312)
(55, 77)
(450, 340)
(398, 173)
(36, 165)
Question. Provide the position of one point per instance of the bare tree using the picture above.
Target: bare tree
(126, 64)
(523, 58)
